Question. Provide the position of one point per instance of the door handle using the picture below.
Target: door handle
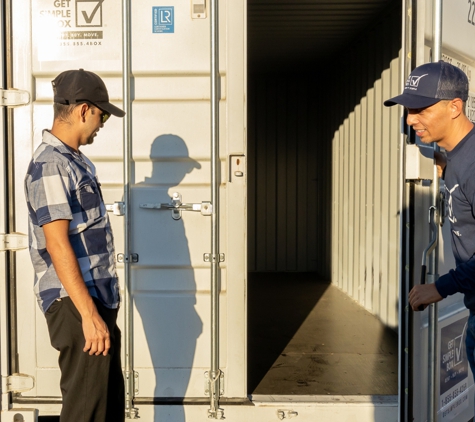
(177, 206)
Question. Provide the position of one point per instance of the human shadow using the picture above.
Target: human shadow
(163, 283)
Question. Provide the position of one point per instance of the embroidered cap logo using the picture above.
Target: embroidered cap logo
(413, 81)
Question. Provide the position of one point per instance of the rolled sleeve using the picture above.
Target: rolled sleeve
(50, 196)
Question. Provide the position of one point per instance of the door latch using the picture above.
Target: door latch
(117, 208)
(176, 207)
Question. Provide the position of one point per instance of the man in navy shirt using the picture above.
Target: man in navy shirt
(71, 247)
(435, 97)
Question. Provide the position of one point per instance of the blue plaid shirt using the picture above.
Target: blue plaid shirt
(61, 184)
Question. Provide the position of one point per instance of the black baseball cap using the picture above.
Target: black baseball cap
(76, 86)
(430, 83)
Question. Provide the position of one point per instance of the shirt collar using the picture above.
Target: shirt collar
(50, 139)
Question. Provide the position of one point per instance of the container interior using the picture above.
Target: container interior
(322, 302)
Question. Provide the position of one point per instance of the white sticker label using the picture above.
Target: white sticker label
(73, 30)
(454, 369)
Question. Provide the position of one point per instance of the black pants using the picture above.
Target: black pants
(92, 386)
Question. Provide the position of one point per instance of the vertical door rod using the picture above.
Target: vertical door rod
(434, 261)
(130, 411)
(214, 374)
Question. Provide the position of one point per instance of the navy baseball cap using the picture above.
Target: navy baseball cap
(75, 86)
(430, 83)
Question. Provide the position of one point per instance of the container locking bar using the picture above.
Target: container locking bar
(214, 411)
(176, 207)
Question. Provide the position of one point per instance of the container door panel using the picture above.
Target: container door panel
(48, 38)
(454, 393)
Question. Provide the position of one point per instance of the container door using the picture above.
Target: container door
(172, 165)
(170, 98)
(438, 376)
(49, 37)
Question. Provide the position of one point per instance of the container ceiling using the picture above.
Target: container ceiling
(285, 34)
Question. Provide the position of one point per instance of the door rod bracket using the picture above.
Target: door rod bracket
(133, 258)
(209, 257)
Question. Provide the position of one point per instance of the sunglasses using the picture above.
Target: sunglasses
(104, 116)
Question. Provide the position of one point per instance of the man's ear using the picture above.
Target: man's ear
(456, 106)
(82, 110)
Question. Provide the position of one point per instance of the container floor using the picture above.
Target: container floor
(306, 337)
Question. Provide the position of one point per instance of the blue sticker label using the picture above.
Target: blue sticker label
(163, 20)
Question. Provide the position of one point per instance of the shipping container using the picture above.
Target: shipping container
(270, 215)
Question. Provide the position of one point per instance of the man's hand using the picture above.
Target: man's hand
(96, 335)
(423, 294)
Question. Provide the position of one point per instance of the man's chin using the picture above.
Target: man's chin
(426, 141)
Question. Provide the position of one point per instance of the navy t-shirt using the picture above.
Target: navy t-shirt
(460, 198)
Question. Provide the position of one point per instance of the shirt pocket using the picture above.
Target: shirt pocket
(90, 201)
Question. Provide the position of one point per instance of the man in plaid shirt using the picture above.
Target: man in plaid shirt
(71, 247)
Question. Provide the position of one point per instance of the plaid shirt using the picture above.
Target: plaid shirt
(61, 184)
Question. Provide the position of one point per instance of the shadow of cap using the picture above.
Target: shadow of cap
(172, 146)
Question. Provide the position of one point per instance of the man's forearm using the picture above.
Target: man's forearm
(458, 280)
(69, 273)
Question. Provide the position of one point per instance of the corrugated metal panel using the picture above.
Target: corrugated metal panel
(366, 180)
(294, 183)
(283, 32)
(288, 201)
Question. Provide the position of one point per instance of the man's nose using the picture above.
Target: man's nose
(411, 119)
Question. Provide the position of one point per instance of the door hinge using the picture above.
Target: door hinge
(13, 241)
(14, 97)
(17, 383)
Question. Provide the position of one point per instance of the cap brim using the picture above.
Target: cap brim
(411, 101)
(194, 163)
(111, 109)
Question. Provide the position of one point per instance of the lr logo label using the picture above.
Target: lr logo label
(89, 13)
(163, 20)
